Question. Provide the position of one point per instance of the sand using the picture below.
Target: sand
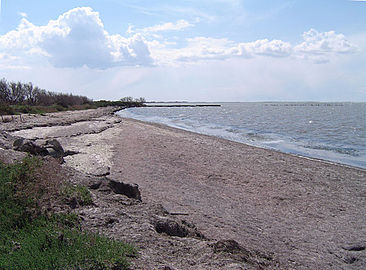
(306, 214)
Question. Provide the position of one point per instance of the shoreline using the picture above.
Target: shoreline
(247, 144)
(309, 144)
(293, 212)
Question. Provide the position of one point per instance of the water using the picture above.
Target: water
(330, 131)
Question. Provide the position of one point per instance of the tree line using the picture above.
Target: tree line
(18, 93)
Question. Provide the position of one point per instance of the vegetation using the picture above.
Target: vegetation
(31, 238)
(18, 97)
(124, 102)
(80, 193)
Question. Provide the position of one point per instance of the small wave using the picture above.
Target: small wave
(281, 136)
(341, 150)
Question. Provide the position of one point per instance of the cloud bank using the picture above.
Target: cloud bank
(78, 38)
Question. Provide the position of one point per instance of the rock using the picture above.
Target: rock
(54, 149)
(71, 153)
(24, 145)
(95, 184)
(180, 228)
(130, 190)
(171, 228)
(49, 148)
(355, 247)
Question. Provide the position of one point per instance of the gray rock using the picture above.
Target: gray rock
(171, 227)
(49, 148)
(130, 190)
(24, 145)
(54, 149)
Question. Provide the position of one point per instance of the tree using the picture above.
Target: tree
(4, 92)
(16, 93)
(140, 100)
(127, 99)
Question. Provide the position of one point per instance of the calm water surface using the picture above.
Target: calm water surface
(330, 131)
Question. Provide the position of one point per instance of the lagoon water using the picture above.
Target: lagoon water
(331, 131)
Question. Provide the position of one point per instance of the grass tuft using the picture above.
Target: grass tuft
(80, 193)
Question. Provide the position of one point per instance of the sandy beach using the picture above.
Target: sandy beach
(286, 212)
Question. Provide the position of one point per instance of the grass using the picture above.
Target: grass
(31, 240)
(80, 193)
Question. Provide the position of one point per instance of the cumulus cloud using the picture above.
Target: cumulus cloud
(75, 39)
(323, 43)
(78, 38)
(206, 48)
(316, 46)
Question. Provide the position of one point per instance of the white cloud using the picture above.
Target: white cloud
(206, 48)
(177, 26)
(317, 43)
(317, 47)
(23, 14)
(75, 39)
(78, 38)
(274, 48)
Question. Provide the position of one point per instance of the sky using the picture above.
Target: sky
(193, 50)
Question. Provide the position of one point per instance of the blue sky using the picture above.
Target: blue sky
(203, 50)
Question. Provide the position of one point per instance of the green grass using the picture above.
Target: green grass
(29, 240)
(80, 193)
